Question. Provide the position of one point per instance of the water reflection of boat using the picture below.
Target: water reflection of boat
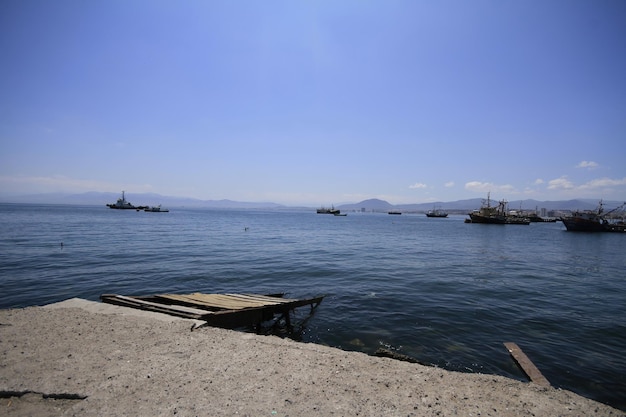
(123, 204)
(592, 221)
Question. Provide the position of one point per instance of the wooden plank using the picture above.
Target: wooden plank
(526, 364)
(226, 301)
(215, 301)
(181, 311)
(237, 301)
(263, 299)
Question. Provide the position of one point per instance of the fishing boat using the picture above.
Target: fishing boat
(123, 204)
(325, 210)
(436, 212)
(489, 214)
(592, 220)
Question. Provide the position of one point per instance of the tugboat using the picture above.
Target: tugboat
(592, 221)
(122, 204)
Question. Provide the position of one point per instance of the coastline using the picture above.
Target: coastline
(90, 358)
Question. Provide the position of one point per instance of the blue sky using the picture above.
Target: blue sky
(315, 102)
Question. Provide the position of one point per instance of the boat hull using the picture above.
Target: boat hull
(329, 211)
(575, 224)
(436, 215)
(477, 218)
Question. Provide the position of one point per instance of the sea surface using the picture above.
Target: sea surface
(439, 290)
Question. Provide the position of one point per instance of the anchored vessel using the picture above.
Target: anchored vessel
(593, 221)
(496, 214)
(436, 212)
(325, 210)
(490, 214)
(123, 204)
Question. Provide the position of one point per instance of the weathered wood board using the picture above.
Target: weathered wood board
(526, 364)
(220, 310)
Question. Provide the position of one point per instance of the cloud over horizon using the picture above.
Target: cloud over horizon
(587, 164)
(484, 187)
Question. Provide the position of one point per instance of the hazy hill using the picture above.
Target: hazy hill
(137, 199)
(374, 204)
(475, 203)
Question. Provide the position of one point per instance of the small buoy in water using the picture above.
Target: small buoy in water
(246, 228)
(61, 245)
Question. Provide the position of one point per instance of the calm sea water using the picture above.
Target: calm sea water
(442, 291)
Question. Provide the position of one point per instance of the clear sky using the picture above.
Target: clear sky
(315, 102)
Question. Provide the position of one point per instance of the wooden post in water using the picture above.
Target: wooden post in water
(527, 366)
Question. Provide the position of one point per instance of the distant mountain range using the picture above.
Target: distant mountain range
(475, 203)
(138, 199)
(151, 199)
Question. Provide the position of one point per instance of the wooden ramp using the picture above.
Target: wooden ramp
(219, 310)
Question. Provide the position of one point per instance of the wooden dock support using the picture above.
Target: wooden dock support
(527, 366)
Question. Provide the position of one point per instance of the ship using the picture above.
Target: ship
(123, 204)
(436, 212)
(496, 214)
(593, 221)
(332, 210)
(489, 214)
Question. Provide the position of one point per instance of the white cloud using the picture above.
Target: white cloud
(560, 183)
(538, 181)
(418, 185)
(587, 164)
(485, 187)
(590, 187)
(602, 183)
(449, 184)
